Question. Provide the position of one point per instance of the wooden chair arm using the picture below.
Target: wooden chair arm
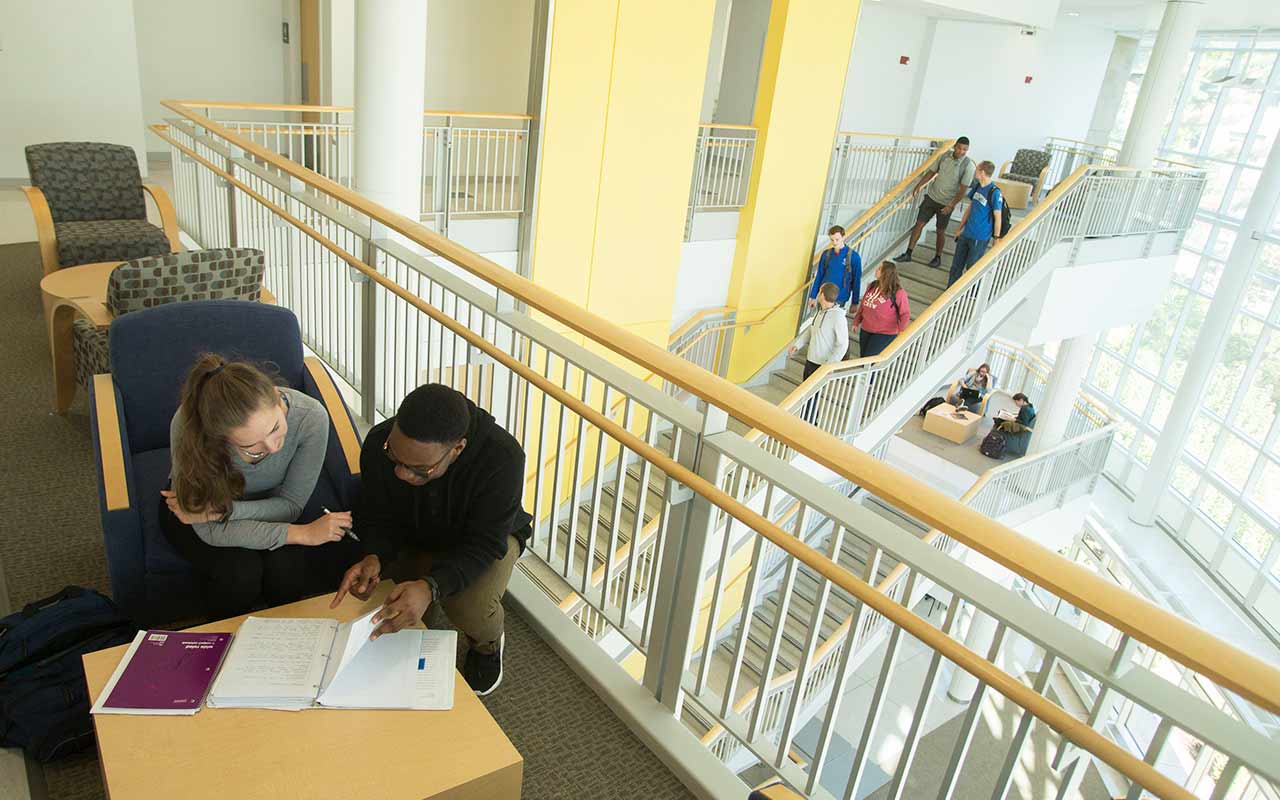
(44, 228)
(168, 217)
(1004, 168)
(1035, 191)
(347, 437)
(267, 297)
(115, 483)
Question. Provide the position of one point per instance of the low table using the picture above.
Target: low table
(68, 294)
(460, 754)
(941, 421)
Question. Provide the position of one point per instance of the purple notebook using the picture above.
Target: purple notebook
(170, 671)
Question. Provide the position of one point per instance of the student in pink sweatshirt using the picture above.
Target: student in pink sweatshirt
(884, 312)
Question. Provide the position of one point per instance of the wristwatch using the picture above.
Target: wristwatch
(436, 595)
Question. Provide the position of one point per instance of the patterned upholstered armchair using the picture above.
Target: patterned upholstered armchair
(89, 205)
(146, 282)
(1029, 167)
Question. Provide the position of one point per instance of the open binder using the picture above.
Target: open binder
(293, 664)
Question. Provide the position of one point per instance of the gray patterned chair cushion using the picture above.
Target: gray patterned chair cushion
(108, 240)
(89, 344)
(88, 181)
(224, 274)
(1026, 166)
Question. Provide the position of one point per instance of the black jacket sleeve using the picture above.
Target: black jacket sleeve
(490, 518)
(382, 522)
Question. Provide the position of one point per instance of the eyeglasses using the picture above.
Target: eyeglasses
(420, 472)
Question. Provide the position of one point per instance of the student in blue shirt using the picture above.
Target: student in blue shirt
(981, 222)
(841, 265)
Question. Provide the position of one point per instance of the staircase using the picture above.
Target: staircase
(924, 284)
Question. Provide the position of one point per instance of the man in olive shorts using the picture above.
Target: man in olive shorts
(954, 174)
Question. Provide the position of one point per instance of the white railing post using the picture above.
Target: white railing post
(233, 234)
(679, 576)
(699, 175)
(444, 180)
(369, 355)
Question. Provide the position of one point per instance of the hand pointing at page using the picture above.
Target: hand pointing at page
(406, 604)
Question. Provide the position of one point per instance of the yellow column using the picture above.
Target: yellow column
(623, 93)
(802, 74)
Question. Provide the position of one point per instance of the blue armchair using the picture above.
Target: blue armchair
(150, 353)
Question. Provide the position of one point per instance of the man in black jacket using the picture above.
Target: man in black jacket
(440, 512)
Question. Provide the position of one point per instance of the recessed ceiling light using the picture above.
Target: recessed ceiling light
(1073, 13)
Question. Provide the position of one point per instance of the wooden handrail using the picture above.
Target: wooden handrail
(1053, 139)
(1180, 640)
(693, 320)
(728, 127)
(898, 572)
(895, 136)
(431, 112)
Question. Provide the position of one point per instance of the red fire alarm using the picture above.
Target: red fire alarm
(1027, 79)
(904, 59)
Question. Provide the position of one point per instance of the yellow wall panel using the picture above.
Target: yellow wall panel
(802, 75)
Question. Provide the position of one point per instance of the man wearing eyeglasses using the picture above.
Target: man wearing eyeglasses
(441, 513)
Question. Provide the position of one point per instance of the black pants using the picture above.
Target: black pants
(809, 412)
(872, 344)
(237, 580)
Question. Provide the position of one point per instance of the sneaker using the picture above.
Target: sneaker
(904, 258)
(483, 671)
(935, 262)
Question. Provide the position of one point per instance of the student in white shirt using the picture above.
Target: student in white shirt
(826, 339)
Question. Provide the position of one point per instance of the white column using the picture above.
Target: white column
(1054, 410)
(391, 64)
(982, 630)
(1160, 86)
(1213, 334)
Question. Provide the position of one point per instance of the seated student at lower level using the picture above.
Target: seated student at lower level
(972, 388)
(1018, 430)
(246, 457)
(441, 512)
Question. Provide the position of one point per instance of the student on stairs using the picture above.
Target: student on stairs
(884, 312)
(827, 339)
(980, 224)
(841, 265)
(954, 174)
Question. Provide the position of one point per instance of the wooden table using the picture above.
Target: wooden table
(68, 294)
(940, 421)
(460, 754)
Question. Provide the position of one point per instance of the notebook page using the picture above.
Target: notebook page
(380, 675)
(352, 637)
(433, 674)
(275, 658)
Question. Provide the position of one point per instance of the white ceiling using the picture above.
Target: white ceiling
(1137, 15)
(1130, 15)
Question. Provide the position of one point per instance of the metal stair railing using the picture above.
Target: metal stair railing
(1093, 202)
(386, 319)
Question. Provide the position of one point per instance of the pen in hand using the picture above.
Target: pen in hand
(347, 531)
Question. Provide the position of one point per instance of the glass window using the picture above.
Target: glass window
(1227, 118)
(1254, 538)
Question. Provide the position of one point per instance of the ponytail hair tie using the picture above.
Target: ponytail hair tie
(217, 369)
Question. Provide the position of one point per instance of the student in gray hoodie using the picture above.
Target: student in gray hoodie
(826, 339)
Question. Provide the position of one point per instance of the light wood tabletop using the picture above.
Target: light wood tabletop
(460, 754)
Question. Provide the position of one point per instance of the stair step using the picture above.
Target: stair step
(769, 392)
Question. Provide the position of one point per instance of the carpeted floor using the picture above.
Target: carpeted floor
(573, 746)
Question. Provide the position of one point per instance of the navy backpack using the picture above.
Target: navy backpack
(44, 702)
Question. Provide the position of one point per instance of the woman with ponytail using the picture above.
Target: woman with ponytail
(246, 458)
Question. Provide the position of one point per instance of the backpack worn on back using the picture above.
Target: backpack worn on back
(930, 403)
(993, 445)
(1006, 219)
(44, 702)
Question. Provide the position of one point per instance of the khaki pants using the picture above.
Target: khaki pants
(475, 611)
